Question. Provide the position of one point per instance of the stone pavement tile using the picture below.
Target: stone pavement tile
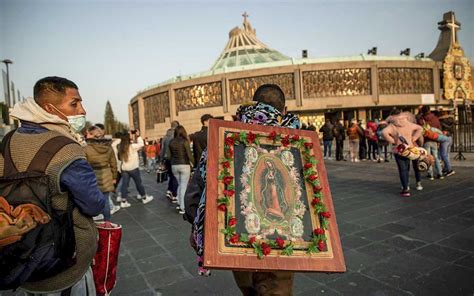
(431, 232)
(467, 261)
(405, 242)
(378, 220)
(349, 228)
(358, 284)
(156, 262)
(463, 240)
(355, 261)
(221, 282)
(136, 234)
(395, 228)
(130, 285)
(147, 251)
(193, 286)
(304, 285)
(447, 280)
(354, 241)
(167, 276)
(324, 278)
(466, 219)
(139, 243)
(441, 253)
(163, 229)
(380, 250)
(148, 292)
(401, 269)
(374, 234)
(127, 270)
(319, 290)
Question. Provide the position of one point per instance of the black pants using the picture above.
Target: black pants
(374, 150)
(172, 181)
(339, 149)
(362, 149)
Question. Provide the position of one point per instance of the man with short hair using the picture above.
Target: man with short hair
(328, 137)
(199, 138)
(57, 110)
(269, 100)
(172, 191)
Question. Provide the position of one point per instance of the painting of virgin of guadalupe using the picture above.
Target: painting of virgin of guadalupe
(272, 193)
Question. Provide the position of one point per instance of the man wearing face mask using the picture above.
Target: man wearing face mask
(57, 110)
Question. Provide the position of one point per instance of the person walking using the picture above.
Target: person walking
(340, 134)
(269, 100)
(447, 127)
(181, 159)
(382, 143)
(128, 154)
(354, 133)
(400, 130)
(199, 138)
(428, 120)
(171, 193)
(100, 156)
(151, 156)
(362, 143)
(328, 137)
(372, 140)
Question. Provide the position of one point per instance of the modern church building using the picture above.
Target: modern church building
(362, 87)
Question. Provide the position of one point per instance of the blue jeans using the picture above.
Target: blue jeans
(135, 175)
(444, 148)
(151, 164)
(432, 148)
(403, 165)
(106, 211)
(182, 173)
(327, 148)
(374, 149)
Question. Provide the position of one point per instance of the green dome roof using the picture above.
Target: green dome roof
(243, 48)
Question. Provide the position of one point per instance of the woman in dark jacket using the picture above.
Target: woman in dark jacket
(181, 158)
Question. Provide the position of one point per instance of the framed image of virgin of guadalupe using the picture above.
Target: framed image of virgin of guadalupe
(268, 203)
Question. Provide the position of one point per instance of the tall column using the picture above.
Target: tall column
(374, 84)
(298, 84)
(141, 116)
(436, 83)
(173, 111)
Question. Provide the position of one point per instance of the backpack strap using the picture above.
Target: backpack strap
(46, 153)
(9, 167)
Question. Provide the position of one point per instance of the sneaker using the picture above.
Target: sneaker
(405, 193)
(430, 177)
(450, 173)
(125, 204)
(114, 210)
(386, 160)
(174, 200)
(356, 160)
(181, 212)
(147, 199)
(178, 208)
(139, 197)
(325, 158)
(441, 177)
(204, 272)
(418, 186)
(98, 217)
(119, 198)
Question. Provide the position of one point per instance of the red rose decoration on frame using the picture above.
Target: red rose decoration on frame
(317, 188)
(222, 207)
(232, 221)
(227, 180)
(272, 136)
(315, 201)
(295, 138)
(326, 214)
(226, 164)
(266, 249)
(313, 177)
(321, 245)
(252, 240)
(319, 231)
(308, 166)
(285, 141)
(229, 193)
(280, 242)
(228, 153)
(230, 141)
(235, 238)
(251, 137)
(308, 145)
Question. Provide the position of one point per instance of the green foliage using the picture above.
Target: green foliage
(288, 250)
(112, 125)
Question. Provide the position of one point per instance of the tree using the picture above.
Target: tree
(109, 120)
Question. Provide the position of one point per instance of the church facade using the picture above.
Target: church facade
(361, 87)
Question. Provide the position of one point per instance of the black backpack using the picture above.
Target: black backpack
(46, 249)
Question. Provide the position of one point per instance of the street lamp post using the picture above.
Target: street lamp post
(7, 62)
(7, 113)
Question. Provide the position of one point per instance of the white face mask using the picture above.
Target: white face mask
(77, 122)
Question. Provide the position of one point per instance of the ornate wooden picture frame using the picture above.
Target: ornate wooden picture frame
(268, 202)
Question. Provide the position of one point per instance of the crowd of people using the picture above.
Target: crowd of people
(93, 169)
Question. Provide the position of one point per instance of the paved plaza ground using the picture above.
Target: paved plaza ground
(422, 245)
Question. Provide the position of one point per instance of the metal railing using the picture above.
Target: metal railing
(463, 140)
